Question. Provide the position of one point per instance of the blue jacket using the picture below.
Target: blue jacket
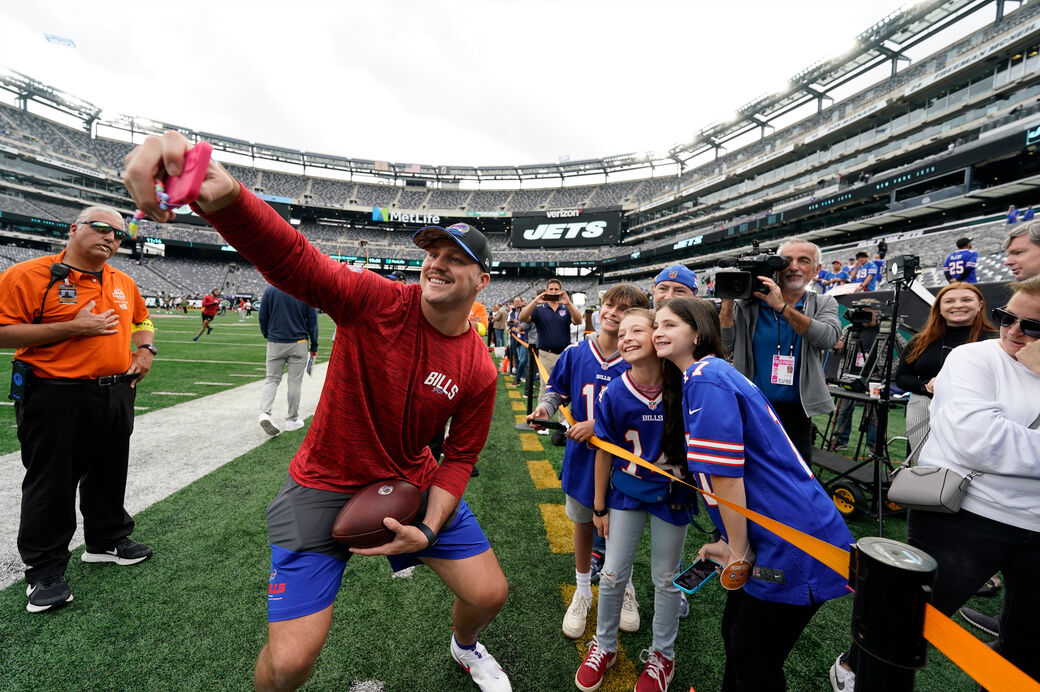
(285, 319)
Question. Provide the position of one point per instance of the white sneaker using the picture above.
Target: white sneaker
(543, 431)
(482, 667)
(293, 424)
(629, 611)
(842, 679)
(268, 425)
(577, 613)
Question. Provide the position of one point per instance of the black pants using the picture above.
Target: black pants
(758, 636)
(798, 426)
(72, 435)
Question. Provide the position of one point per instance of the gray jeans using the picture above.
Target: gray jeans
(666, 544)
(279, 356)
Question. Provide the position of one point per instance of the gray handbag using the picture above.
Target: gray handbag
(931, 488)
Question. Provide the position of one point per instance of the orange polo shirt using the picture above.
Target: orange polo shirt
(79, 357)
(479, 313)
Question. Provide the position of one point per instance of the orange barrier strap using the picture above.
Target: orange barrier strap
(987, 667)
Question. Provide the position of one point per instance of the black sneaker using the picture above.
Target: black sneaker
(125, 553)
(50, 592)
(209, 330)
(986, 623)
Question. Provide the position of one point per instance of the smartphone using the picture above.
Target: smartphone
(551, 297)
(550, 424)
(697, 575)
(184, 188)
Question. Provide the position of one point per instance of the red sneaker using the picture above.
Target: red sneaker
(590, 676)
(657, 674)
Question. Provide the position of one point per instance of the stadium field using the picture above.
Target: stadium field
(193, 617)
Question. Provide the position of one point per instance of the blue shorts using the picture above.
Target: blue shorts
(307, 563)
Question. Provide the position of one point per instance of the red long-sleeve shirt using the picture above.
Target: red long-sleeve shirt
(393, 380)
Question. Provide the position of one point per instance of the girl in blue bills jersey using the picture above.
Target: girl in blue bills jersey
(629, 413)
(582, 371)
(737, 449)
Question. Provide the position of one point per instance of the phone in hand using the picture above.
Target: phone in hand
(550, 424)
(697, 575)
(184, 188)
(551, 297)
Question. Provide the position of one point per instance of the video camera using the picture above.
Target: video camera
(860, 314)
(743, 281)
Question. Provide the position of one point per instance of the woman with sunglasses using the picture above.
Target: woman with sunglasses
(985, 413)
(957, 317)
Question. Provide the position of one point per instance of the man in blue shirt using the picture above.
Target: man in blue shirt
(836, 276)
(864, 272)
(552, 314)
(960, 265)
(778, 339)
(288, 324)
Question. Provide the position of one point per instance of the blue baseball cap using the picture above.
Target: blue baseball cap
(679, 274)
(465, 236)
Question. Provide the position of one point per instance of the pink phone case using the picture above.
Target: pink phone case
(184, 188)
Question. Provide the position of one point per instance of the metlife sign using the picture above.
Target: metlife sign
(567, 228)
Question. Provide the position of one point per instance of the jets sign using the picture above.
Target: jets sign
(581, 229)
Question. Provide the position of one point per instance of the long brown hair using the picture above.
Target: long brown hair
(704, 320)
(935, 329)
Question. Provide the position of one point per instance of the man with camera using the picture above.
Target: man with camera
(552, 313)
(779, 335)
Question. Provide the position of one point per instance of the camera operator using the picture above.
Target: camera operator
(778, 339)
(859, 335)
(552, 313)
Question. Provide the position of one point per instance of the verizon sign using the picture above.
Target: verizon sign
(566, 228)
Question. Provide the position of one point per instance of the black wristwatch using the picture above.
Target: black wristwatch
(150, 347)
(428, 532)
(601, 512)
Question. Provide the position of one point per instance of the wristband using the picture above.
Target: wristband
(430, 535)
(601, 512)
(784, 308)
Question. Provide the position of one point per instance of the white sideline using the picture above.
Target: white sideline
(165, 454)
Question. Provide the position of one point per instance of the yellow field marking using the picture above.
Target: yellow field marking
(529, 442)
(519, 406)
(559, 530)
(543, 474)
(623, 674)
(515, 394)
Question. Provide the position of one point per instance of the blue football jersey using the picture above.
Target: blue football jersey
(733, 431)
(633, 422)
(867, 275)
(578, 376)
(960, 261)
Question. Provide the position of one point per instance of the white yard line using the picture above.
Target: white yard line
(165, 455)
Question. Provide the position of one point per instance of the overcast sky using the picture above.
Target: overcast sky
(483, 82)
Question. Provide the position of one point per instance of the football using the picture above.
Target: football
(360, 523)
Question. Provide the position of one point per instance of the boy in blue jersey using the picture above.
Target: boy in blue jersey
(630, 414)
(582, 370)
(738, 450)
(836, 276)
(960, 265)
(864, 272)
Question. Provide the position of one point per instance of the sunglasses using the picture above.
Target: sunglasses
(103, 228)
(1030, 328)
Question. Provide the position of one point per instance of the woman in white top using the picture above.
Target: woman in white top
(983, 417)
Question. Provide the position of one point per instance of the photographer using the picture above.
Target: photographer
(778, 339)
(552, 313)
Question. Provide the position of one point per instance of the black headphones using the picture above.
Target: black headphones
(59, 270)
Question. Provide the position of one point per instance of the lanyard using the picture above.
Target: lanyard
(779, 346)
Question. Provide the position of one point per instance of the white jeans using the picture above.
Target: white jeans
(279, 356)
(666, 544)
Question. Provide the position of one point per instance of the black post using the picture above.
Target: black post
(529, 385)
(893, 583)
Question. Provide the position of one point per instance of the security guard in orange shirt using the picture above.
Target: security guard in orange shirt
(72, 319)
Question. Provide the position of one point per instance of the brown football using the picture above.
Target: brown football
(360, 523)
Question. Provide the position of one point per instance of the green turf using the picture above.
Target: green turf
(236, 348)
(194, 616)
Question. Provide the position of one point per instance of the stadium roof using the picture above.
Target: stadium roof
(887, 40)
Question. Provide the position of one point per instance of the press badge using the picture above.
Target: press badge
(66, 294)
(783, 370)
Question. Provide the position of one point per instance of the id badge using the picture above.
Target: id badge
(783, 370)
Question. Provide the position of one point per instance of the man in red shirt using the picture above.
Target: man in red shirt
(210, 305)
(404, 362)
